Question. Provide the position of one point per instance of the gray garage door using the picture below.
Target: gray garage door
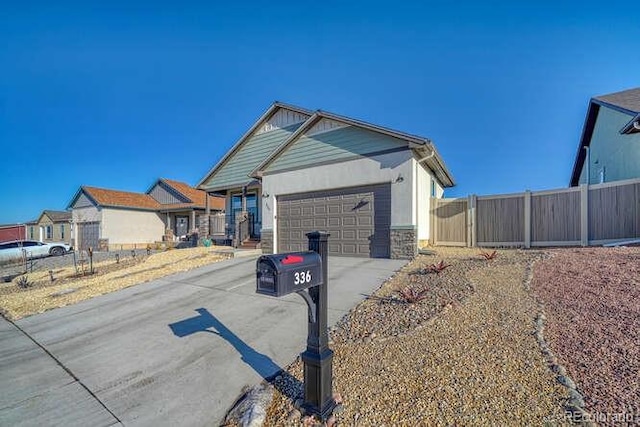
(88, 235)
(358, 220)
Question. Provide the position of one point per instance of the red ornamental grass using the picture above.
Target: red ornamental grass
(489, 255)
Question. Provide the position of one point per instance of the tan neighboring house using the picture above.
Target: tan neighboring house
(106, 219)
(51, 226)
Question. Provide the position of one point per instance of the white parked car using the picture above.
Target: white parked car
(13, 251)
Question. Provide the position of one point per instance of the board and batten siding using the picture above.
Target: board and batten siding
(615, 155)
(235, 171)
(166, 195)
(333, 146)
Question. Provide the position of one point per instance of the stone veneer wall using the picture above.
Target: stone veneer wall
(266, 241)
(404, 243)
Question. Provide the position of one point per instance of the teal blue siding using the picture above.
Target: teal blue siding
(615, 153)
(340, 144)
(235, 171)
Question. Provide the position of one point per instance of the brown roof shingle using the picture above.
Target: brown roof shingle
(198, 197)
(626, 99)
(127, 199)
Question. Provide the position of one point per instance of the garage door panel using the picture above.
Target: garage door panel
(348, 221)
(351, 216)
(349, 234)
(365, 221)
(320, 223)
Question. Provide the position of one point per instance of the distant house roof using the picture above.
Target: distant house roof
(55, 216)
(626, 102)
(116, 198)
(194, 198)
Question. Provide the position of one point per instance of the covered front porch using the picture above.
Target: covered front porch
(241, 224)
(181, 223)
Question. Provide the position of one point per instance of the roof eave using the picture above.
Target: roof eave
(585, 140)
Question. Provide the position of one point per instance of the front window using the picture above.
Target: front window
(31, 232)
(49, 230)
(62, 231)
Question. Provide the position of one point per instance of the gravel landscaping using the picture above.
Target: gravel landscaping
(466, 354)
(38, 293)
(591, 297)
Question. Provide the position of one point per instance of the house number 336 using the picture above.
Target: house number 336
(301, 277)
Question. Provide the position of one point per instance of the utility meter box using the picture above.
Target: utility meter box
(282, 274)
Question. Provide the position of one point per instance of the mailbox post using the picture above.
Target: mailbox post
(305, 273)
(318, 357)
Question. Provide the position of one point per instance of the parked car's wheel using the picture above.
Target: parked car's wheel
(57, 251)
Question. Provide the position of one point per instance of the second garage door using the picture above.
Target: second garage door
(358, 219)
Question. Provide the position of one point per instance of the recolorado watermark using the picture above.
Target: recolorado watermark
(631, 416)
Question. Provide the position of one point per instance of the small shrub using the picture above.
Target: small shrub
(437, 268)
(489, 255)
(24, 283)
(412, 296)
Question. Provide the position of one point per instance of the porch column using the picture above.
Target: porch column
(168, 221)
(193, 220)
(207, 204)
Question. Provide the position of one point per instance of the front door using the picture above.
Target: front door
(182, 225)
(255, 223)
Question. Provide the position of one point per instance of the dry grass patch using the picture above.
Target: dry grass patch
(69, 287)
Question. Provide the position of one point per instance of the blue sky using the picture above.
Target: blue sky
(119, 94)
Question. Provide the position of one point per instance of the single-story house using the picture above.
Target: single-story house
(110, 219)
(297, 170)
(51, 226)
(609, 148)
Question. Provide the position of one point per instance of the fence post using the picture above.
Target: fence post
(473, 217)
(584, 214)
(527, 219)
(469, 220)
(433, 221)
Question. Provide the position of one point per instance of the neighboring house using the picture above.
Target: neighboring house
(609, 148)
(296, 170)
(9, 232)
(51, 226)
(109, 219)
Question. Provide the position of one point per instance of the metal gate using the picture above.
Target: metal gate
(88, 235)
(358, 219)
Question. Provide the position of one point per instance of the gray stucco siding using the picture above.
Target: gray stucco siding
(333, 146)
(235, 172)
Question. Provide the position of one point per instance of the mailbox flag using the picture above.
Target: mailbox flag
(292, 259)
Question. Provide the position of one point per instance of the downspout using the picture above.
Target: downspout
(588, 160)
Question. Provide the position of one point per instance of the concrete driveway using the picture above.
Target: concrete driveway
(175, 351)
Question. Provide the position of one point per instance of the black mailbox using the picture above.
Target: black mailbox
(282, 274)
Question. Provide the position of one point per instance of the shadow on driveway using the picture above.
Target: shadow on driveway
(262, 364)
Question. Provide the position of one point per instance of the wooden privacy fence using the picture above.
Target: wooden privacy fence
(576, 216)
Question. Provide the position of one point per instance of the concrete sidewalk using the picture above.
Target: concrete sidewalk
(175, 351)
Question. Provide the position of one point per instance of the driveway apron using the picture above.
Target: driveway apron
(174, 351)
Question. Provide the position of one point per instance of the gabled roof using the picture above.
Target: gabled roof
(55, 216)
(143, 201)
(236, 147)
(124, 199)
(626, 102)
(434, 162)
